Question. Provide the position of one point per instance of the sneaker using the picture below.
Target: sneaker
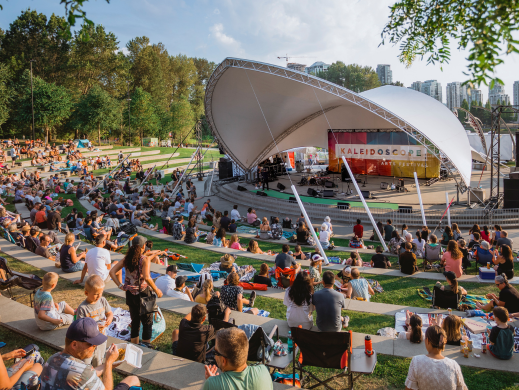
(252, 298)
(345, 321)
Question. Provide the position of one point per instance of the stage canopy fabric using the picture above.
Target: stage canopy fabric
(250, 104)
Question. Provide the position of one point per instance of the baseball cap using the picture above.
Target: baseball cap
(87, 330)
(139, 241)
(317, 257)
(172, 268)
(180, 280)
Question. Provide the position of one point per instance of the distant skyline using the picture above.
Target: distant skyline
(330, 31)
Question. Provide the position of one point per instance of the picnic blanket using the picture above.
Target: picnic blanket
(261, 313)
(468, 300)
(477, 339)
(216, 267)
(375, 285)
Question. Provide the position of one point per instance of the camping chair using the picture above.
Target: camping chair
(285, 277)
(329, 350)
(445, 299)
(30, 244)
(256, 341)
(432, 256)
(13, 279)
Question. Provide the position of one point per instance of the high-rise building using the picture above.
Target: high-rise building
(417, 86)
(516, 93)
(457, 93)
(296, 66)
(476, 96)
(317, 67)
(385, 74)
(497, 94)
(432, 88)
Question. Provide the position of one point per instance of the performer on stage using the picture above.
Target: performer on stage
(265, 178)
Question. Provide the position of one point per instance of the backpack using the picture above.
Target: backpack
(177, 231)
(71, 221)
(129, 228)
(215, 308)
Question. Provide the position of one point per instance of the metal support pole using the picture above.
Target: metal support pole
(379, 234)
(185, 170)
(129, 128)
(420, 198)
(448, 208)
(32, 107)
(147, 176)
(309, 224)
(211, 182)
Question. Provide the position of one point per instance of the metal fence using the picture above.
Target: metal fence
(466, 218)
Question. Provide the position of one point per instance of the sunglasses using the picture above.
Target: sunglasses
(498, 284)
(218, 353)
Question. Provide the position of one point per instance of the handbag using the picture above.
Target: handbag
(158, 327)
(148, 303)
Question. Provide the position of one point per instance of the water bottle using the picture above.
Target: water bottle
(290, 342)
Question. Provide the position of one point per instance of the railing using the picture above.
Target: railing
(466, 218)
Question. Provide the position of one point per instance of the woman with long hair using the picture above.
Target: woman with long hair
(219, 239)
(414, 325)
(504, 262)
(475, 229)
(496, 235)
(264, 229)
(234, 243)
(452, 258)
(420, 243)
(298, 300)
(137, 284)
(298, 253)
(485, 234)
(452, 284)
(216, 219)
(434, 371)
(404, 229)
(452, 327)
(192, 232)
(263, 276)
(253, 247)
(395, 242)
(456, 231)
(316, 264)
(207, 292)
(447, 235)
(302, 234)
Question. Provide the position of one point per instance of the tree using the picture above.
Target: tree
(462, 115)
(426, 28)
(397, 84)
(143, 114)
(204, 70)
(34, 37)
(355, 77)
(6, 93)
(186, 75)
(96, 111)
(182, 118)
(52, 103)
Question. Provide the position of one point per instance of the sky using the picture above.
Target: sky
(329, 31)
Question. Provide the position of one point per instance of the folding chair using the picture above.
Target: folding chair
(14, 279)
(256, 341)
(329, 350)
(432, 256)
(30, 244)
(445, 299)
(285, 277)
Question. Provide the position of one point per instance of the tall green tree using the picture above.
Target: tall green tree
(6, 93)
(182, 117)
(33, 36)
(204, 70)
(186, 76)
(426, 28)
(354, 77)
(52, 104)
(97, 111)
(144, 121)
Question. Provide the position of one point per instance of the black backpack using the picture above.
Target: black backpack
(215, 308)
(129, 228)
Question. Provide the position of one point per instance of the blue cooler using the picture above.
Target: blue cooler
(487, 274)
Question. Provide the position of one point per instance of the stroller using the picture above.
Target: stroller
(17, 279)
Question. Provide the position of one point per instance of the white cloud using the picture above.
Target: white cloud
(228, 42)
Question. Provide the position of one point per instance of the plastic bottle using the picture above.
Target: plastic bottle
(290, 342)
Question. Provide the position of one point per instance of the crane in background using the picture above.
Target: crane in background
(287, 57)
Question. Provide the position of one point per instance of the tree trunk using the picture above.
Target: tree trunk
(77, 133)
(99, 133)
(46, 134)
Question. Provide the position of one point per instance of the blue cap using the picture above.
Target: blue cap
(86, 329)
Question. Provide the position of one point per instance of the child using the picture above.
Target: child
(210, 236)
(97, 307)
(48, 315)
(501, 338)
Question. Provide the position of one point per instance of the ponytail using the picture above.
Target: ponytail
(416, 329)
(436, 336)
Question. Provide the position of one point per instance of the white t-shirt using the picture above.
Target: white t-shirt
(96, 260)
(324, 236)
(235, 215)
(433, 374)
(190, 207)
(177, 294)
(177, 205)
(298, 315)
(329, 226)
(419, 245)
(165, 283)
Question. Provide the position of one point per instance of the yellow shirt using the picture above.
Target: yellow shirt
(200, 299)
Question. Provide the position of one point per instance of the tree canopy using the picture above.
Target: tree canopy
(354, 77)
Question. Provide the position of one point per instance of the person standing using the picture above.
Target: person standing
(265, 178)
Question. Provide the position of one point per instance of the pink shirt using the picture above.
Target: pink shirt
(451, 264)
(251, 217)
(236, 245)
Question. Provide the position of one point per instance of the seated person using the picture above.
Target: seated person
(232, 226)
(264, 229)
(190, 340)
(232, 295)
(263, 276)
(504, 262)
(344, 276)
(408, 238)
(356, 261)
(452, 326)
(234, 243)
(181, 291)
(476, 241)
(19, 374)
(178, 229)
(253, 247)
(43, 248)
(452, 284)
(508, 296)
(298, 253)
(358, 288)
(484, 254)
(227, 264)
(166, 282)
(356, 242)
(276, 229)
(328, 304)
(324, 236)
(231, 351)
(303, 235)
(504, 240)
(465, 262)
(414, 329)
(70, 261)
(379, 260)
(407, 260)
(298, 300)
(48, 315)
(432, 251)
(210, 236)
(192, 233)
(219, 239)
(501, 338)
(284, 260)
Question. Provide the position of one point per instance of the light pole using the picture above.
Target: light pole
(32, 106)
(129, 100)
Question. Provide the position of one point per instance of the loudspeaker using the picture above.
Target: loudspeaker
(405, 209)
(329, 184)
(514, 175)
(281, 187)
(366, 194)
(344, 173)
(240, 188)
(292, 199)
(312, 192)
(261, 193)
(401, 182)
(221, 150)
(384, 185)
(510, 190)
(343, 206)
(328, 194)
(225, 169)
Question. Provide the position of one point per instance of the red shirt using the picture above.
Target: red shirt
(358, 230)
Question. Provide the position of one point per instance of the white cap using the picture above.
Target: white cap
(317, 257)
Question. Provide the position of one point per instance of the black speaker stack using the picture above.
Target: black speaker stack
(405, 209)
(281, 187)
(225, 169)
(343, 206)
(510, 192)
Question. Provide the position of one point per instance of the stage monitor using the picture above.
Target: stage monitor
(343, 206)
(281, 187)
(240, 188)
(329, 184)
(261, 193)
(366, 194)
(292, 199)
(328, 194)
(312, 192)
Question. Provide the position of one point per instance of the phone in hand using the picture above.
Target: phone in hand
(29, 349)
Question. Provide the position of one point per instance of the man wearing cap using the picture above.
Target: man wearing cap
(181, 291)
(166, 282)
(66, 370)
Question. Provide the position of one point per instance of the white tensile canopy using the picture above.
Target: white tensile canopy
(250, 104)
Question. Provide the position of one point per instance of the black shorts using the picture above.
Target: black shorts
(174, 346)
(14, 158)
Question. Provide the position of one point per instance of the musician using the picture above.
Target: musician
(265, 178)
